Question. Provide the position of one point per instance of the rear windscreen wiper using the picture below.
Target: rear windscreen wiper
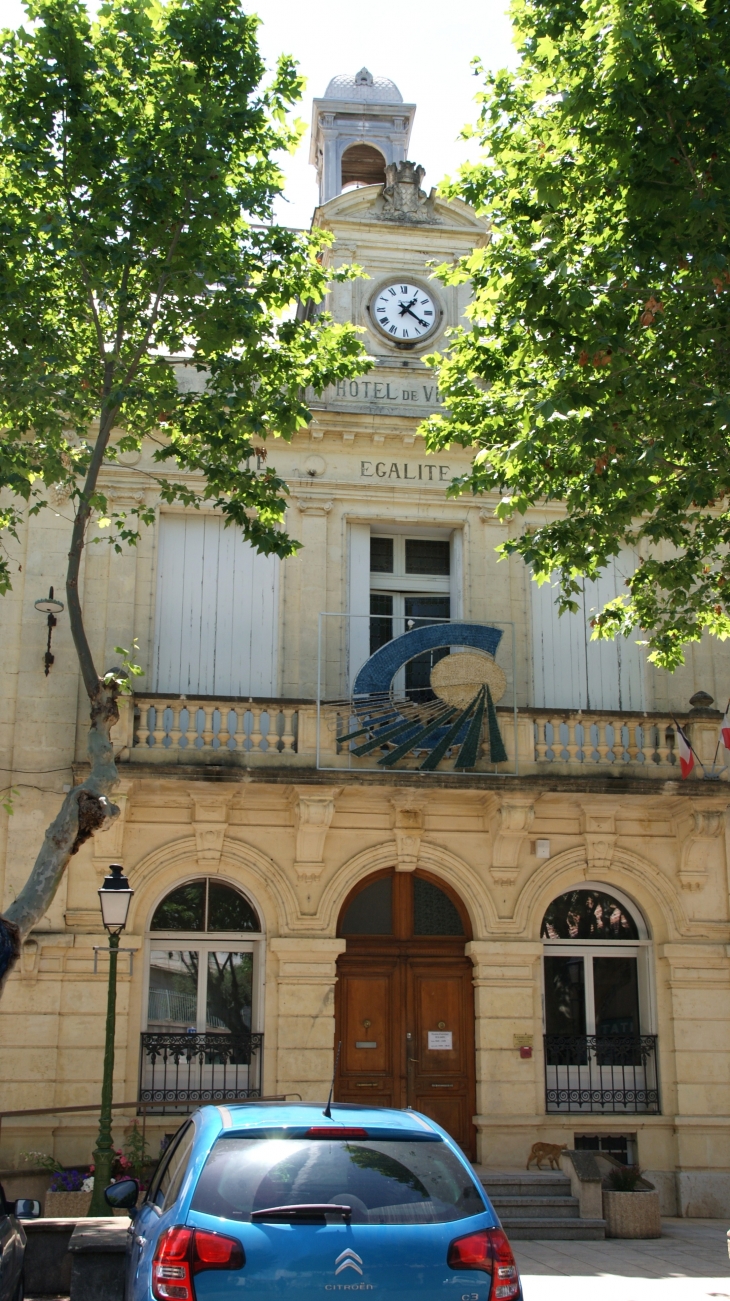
(305, 1211)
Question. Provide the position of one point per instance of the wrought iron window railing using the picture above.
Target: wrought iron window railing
(181, 1071)
(601, 1073)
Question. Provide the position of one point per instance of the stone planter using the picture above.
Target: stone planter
(632, 1215)
(62, 1205)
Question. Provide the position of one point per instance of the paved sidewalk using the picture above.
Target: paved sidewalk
(688, 1263)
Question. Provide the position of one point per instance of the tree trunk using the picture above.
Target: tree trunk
(85, 809)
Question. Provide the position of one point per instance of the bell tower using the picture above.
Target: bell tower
(358, 128)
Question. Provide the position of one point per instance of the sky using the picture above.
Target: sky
(424, 46)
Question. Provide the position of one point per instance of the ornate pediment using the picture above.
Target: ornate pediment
(402, 200)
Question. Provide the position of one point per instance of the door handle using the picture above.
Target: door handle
(413, 1059)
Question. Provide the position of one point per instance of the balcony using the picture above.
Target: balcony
(173, 731)
(179, 1072)
(601, 1074)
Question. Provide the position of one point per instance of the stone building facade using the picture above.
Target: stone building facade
(523, 933)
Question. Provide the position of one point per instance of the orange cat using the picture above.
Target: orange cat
(546, 1152)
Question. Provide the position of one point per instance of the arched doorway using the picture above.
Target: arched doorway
(404, 1002)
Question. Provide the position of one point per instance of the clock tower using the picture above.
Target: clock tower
(373, 200)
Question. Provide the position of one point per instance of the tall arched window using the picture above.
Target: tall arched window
(599, 1045)
(201, 960)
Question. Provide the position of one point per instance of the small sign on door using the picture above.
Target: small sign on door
(440, 1041)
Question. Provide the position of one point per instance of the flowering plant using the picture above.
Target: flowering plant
(67, 1181)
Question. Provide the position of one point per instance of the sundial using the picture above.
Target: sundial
(464, 686)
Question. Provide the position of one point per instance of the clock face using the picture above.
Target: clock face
(404, 312)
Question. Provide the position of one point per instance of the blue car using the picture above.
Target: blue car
(272, 1202)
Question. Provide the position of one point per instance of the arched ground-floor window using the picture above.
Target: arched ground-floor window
(202, 999)
(600, 1045)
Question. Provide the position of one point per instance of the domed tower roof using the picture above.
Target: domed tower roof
(363, 85)
(359, 126)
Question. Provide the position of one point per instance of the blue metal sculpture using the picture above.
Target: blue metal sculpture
(398, 727)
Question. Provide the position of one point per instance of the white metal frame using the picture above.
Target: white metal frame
(206, 942)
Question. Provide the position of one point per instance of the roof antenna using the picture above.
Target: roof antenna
(328, 1109)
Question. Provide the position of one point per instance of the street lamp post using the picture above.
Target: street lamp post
(115, 897)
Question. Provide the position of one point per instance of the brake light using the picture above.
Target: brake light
(329, 1131)
(489, 1250)
(171, 1280)
(182, 1253)
(215, 1251)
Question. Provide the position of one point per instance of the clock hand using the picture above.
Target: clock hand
(406, 307)
(416, 318)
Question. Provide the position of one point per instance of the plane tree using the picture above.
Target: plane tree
(138, 171)
(595, 375)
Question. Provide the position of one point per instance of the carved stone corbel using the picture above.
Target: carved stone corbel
(314, 809)
(408, 823)
(599, 833)
(514, 819)
(210, 823)
(701, 830)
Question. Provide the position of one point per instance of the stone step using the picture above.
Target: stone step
(534, 1207)
(547, 1229)
(519, 1187)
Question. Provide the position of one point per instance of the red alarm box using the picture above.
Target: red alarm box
(525, 1052)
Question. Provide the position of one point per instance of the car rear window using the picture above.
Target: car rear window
(384, 1181)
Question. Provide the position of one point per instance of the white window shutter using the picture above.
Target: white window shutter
(217, 611)
(572, 672)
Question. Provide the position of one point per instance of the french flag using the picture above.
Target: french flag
(725, 729)
(686, 754)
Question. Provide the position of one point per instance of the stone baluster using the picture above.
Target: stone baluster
(665, 747)
(557, 745)
(541, 741)
(287, 739)
(572, 745)
(256, 737)
(602, 745)
(208, 712)
(174, 731)
(159, 732)
(632, 745)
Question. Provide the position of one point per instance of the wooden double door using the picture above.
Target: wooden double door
(405, 1017)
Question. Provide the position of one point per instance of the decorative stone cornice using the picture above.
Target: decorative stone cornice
(514, 819)
(598, 824)
(408, 823)
(210, 823)
(313, 505)
(697, 832)
(313, 810)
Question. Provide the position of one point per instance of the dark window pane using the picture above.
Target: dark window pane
(228, 910)
(230, 977)
(587, 915)
(173, 997)
(183, 910)
(616, 993)
(427, 557)
(371, 911)
(384, 1181)
(565, 997)
(420, 612)
(381, 627)
(433, 911)
(616, 1145)
(381, 555)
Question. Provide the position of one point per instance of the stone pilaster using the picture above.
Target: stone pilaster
(307, 972)
(507, 1017)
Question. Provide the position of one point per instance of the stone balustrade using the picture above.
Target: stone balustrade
(271, 733)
